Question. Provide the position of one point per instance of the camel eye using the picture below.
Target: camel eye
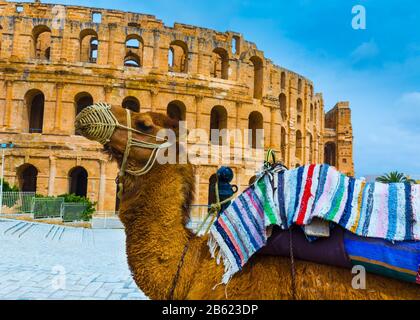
(141, 126)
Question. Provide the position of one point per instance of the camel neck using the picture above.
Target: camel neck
(154, 212)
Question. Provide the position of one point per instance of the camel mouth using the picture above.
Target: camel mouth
(112, 152)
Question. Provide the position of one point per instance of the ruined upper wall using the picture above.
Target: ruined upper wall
(21, 23)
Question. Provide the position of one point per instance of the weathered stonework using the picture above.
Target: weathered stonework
(54, 60)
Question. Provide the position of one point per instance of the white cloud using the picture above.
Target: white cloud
(366, 50)
(410, 98)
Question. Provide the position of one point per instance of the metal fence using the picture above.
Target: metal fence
(72, 211)
(43, 208)
(17, 202)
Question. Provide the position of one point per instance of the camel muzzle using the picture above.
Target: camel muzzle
(96, 123)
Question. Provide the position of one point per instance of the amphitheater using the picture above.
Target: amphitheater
(55, 60)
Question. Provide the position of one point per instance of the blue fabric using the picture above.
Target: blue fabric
(369, 208)
(392, 211)
(409, 215)
(347, 210)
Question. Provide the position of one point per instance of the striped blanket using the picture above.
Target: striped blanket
(386, 211)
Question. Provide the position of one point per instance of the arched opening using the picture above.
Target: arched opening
(131, 103)
(283, 143)
(41, 36)
(220, 64)
(330, 156)
(218, 121)
(311, 148)
(236, 45)
(255, 126)
(78, 180)
(212, 190)
(35, 100)
(299, 108)
(27, 178)
(283, 80)
(82, 100)
(299, 147)
(89, 46)
(283, 106)
(133, 51)
(132, 60)
(299, 86)
(258, 76)
(178, 51)
(176, 110)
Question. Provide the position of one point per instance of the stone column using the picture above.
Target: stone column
(102, 185)
(238, 70)
(58, 105)
(200, 46)
(273, 144)
(53, 171)
(156, 37)
(8, 104)
(198, 101)
(153, 99)
(111, 28)
(108, 94)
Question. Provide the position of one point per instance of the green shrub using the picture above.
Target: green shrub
(8, 188)
(90, 206)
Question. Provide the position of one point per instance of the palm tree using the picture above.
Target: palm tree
(394, 177)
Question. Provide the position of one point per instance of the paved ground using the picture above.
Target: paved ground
(39, 261)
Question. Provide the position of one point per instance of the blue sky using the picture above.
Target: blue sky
(376, 69)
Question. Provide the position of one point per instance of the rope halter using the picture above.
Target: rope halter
(97, 122)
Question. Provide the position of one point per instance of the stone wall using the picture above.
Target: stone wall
(58, 58)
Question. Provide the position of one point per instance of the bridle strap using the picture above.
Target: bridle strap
(140, 144)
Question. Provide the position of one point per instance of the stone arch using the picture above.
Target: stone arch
(176, 110)
(27, 175)
(34, 104)
(299, 108)
(133, 51)
(78, 181)
(41, 37)
(311, 148)
(179, 57)
(81, 101)
(283, 80)
(132, 60)
(299, 145)
(220, 64)
(299, 86)
(330, 153)
(283, 106)
(131, 103)
(218, 121)
(255, 123)
(88, 45)
(257, 76)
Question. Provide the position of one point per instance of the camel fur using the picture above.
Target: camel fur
(154, 210)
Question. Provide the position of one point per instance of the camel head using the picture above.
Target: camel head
(130, 138)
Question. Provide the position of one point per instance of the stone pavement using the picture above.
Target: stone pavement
(41, 261)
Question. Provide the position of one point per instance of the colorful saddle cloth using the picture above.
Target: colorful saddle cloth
(375, 210)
